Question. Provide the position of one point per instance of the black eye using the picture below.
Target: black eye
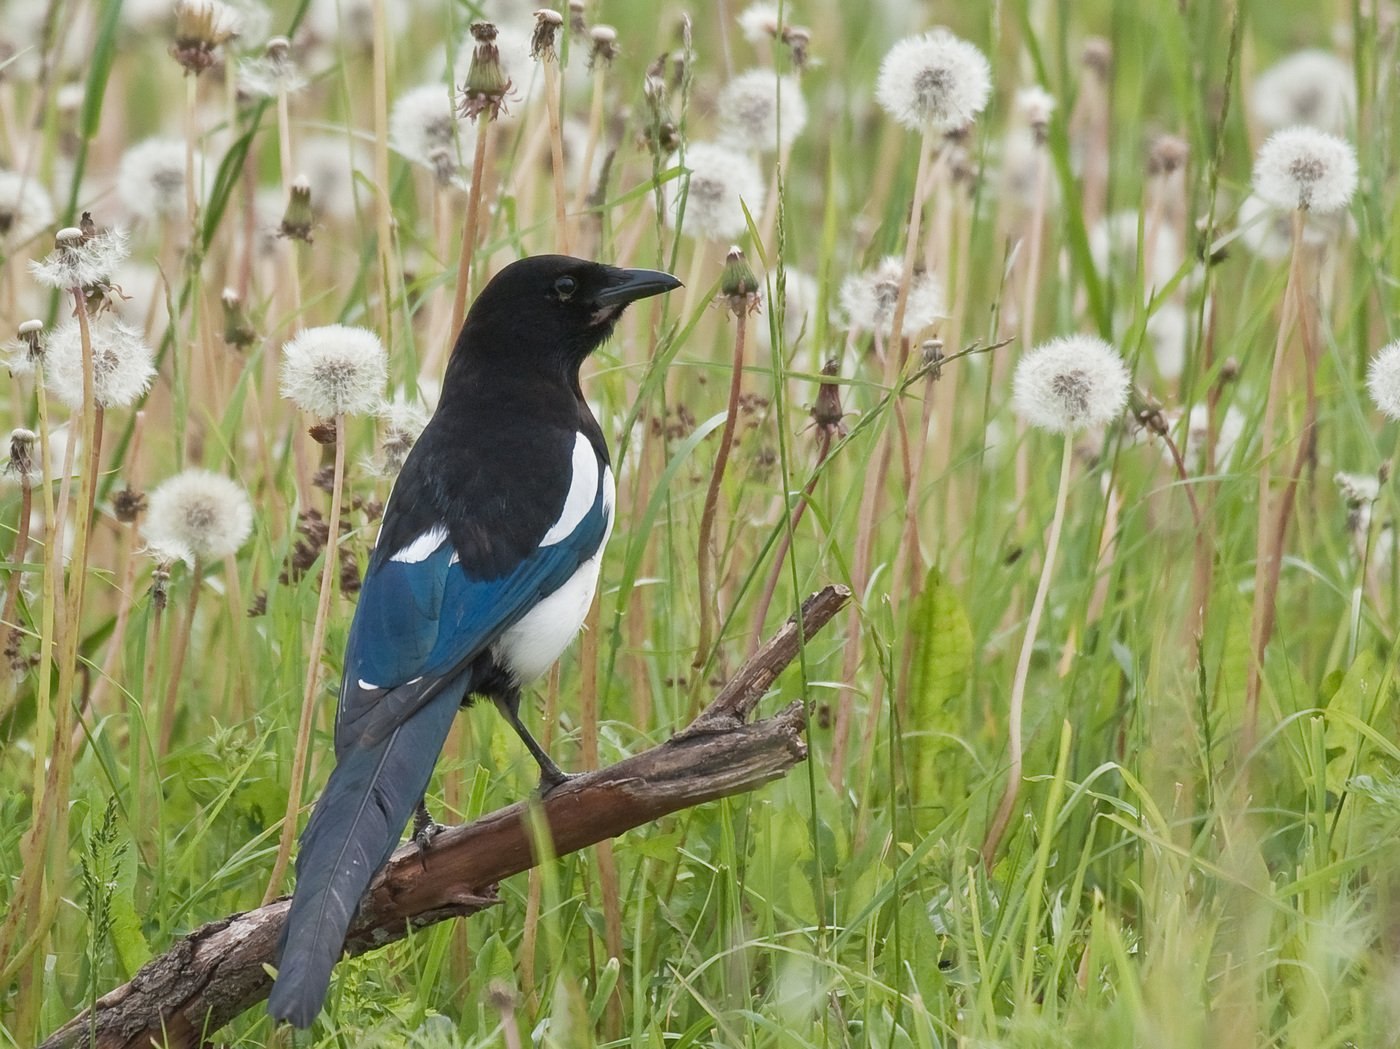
(564, 288)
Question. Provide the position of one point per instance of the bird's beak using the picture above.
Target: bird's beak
(631, 285)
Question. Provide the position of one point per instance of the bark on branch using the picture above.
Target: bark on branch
(216, 972)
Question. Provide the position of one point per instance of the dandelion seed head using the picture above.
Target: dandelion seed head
(1383, 380)
(1309, 87)
(934, 82)
(122, 363)
(759, 23)
(721, 182)
(1357, 489)
(151, 178)
(334, 370)
(25, 210)
(330, 164)
(869, 299)
(274, 72)
(203, 513)
(1070, 383)
(425, 129)
(79, 261)
(761, 111)
(404, 420)
(1035, 106)
(1301, 167)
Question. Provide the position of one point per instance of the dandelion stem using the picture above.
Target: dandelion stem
(1023, 664)
(464, 266)
(313, 673)
(556, 153)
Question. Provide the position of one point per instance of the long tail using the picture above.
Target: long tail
(351, 834)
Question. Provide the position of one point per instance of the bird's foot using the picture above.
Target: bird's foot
(551, 779)
(425, 829)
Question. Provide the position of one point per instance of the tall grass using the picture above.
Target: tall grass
(1159, 883)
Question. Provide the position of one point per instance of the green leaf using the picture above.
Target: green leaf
(942, 639)
(1356, 696)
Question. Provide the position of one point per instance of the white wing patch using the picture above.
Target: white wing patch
(583, 490)
(367, 686)
(422, 547)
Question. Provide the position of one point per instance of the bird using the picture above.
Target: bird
(484, 568)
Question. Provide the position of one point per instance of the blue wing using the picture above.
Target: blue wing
(422, 619)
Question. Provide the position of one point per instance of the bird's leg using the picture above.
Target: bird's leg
(551, 775)
(425, 828)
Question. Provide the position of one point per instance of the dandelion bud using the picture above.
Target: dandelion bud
(1070, 383)
(334, 370)
(1229, 370)
(934, 82)
(826, 412)
(738, 285)
(205, 513)
(547, 23)
(487, 83)
(1383, 380)
(710, 202)
(577, 25)
(604, 45)
(200, 27)
(238, 329)
(22, 462)
(798, 39)
(1307, 169)
(299, 217)
(1168, 155)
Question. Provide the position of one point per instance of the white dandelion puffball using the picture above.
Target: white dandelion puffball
(334, 370)
(869, 299)
(25, 209)
(1307, 87)
(934, 82)
(721, 181)
(1069, 384)
(424, 128)
(1267, 231)
(330, 164)
(122, 363)
(1034, 105)
(151, 178)
(1383, 380)
(202, 512)
(759, 23)
(761, 111)
(1301, 167)
(78, 261)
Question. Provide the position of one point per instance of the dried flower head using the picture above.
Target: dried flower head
(578, 23)
(238, 328)
(1168, 155)
(738, 286)
(487, 82)
(202, 512)
(151, 178)
(547, 24)
(334, 370)
(25, 210)
(799, 41)
(80, 260)
(1097, 57)
(200, 27)
(426, 129)
(30, 351)
(122, 363)
(1070, 383)
(403, 422)
(1301, 167)
(934, 82)
(1310, 87)
(1383, 380)
(720, 184)
(273, 74)
(603, 47)
(761, 111)
(1035, 106)
(23, 464)
(759, 23)
(869, 299)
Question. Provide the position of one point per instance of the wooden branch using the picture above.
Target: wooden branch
(216, 972)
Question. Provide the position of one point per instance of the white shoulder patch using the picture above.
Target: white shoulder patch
(422, 547)
(583, 490)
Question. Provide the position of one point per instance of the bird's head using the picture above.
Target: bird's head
(553, 307)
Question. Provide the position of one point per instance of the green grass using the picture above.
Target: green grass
(1157, 886)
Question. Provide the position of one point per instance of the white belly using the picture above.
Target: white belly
(531, 646)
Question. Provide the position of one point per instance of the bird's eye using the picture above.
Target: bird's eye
(564, 288)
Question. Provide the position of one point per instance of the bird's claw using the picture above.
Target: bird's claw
(550, 781)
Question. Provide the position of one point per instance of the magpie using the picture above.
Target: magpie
(484, 568)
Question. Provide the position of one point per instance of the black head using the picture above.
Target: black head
(553, 310)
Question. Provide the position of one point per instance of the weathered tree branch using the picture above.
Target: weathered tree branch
(219, 970)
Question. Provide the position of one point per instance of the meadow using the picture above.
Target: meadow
(1105, 750)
